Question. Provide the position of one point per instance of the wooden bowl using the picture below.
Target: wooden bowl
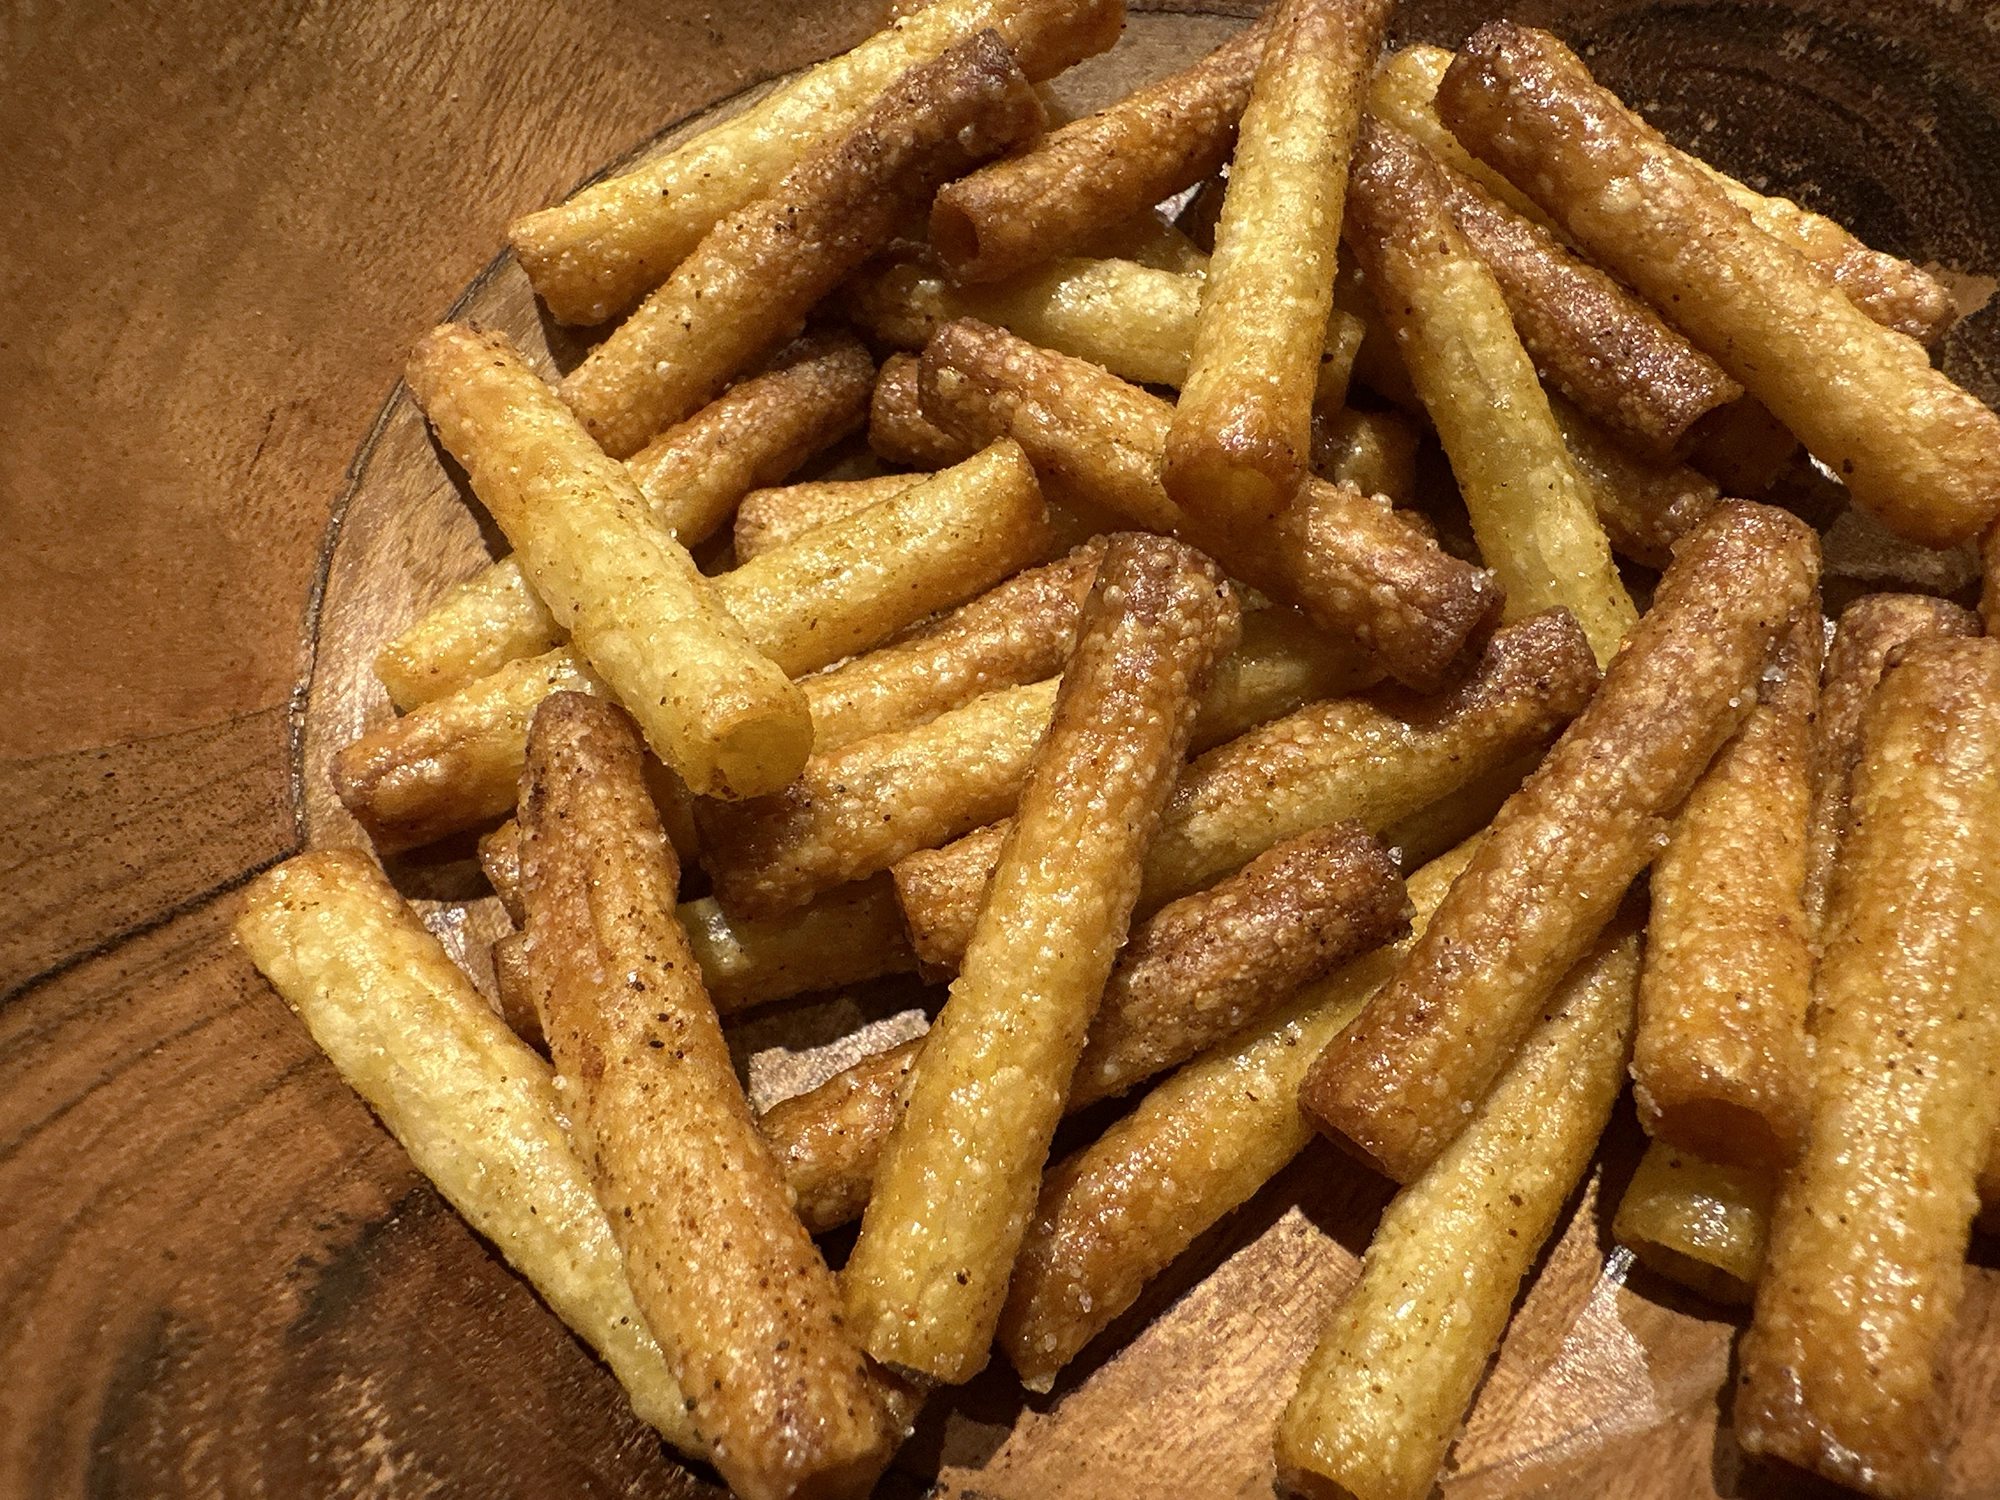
(217, 1273)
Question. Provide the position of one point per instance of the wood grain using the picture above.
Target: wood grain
(226, 1279)
(118, 837)
(218, 1275)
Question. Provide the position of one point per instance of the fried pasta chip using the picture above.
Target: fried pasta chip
(1384, 1394)
(1531, 510)
(1397, 1086)
(1697, 1222)
(1721, 1065)
(1098, 171)
(957, 1179)
(1376, 758)
(754, 276)
(1914, 449)
(1644, 507)
(1194, 973)
(1350, 562)
(860, 808)
(1241, 433)
(846, 586)
(1019, 632)
(770, 517)
(456, 761)
(1136, 321)
(1594, 341)
(598, 254)
(711, 706)
(1868, 1238)
(755, 433)
(491, 619)
(478, 1112)
(1870, 632)
(1116, 1213)
(1374, 451)
(726, 1277)
(898, 430)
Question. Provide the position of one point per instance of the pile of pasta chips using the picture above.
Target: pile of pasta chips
(1143, 692)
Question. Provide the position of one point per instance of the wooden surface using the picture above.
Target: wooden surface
(217, 1274)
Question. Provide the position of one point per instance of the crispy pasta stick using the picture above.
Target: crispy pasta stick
(755, 433)
(1890, 291)
(1374, 451)
(1202, 968)
(1742, 447)
(1282, 663)
(957, 1179)
(598, 254)
(1697, 1222)
(1377, 364)
(500, 862)
(828, 1139)
(1193, 974)
(1134, 320)
(753, 277)
(849, 934)
(1404, 94)
(901, 296)
(1350, 562)
(941, 892)
(1597, 343)
(771, 517)
(1443, 825)
(838, 589)
(500, 848)
(1115, 1214)
(450, 765)
(860, 808)
(1531, 511)
(898, 430)
(1395, 1088)
(1721, 1065)
(1868, 1238)
(725, 1275)
(1893, 292)
(1377, 758)
(1914, 449)
(710, 705)
(493, 618)
(1085, 431)
(1098, 171)
(1151, 241)
(1871, 630)
(449, 777)
(1019, 632)
(514, 988)
(1645, 507)
(855, 582)
(1354, 564)
(1384, 1394)
(475, 1108)
(1241, 434)
(455, 761)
